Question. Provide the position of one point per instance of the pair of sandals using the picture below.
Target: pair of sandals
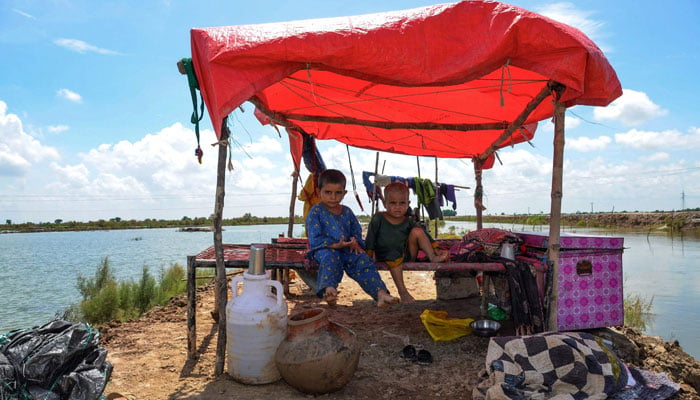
(421, 356)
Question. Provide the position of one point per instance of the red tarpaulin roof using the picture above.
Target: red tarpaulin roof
(444, 80)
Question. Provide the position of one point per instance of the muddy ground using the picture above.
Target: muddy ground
(150, 355)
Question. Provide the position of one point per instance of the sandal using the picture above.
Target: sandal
(424, 357)
(409, 353)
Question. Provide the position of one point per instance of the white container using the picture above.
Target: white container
(256, 323)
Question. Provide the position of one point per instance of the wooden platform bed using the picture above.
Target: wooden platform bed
(290, 253)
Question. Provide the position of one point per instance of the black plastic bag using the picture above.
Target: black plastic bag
(59, 360)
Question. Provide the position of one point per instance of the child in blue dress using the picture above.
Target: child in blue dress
(336, 244)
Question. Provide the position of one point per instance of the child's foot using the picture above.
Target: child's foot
(406, 298)
(385, 300)
(439, 256)
(330, 296)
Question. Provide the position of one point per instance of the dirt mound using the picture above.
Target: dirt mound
(150, 355)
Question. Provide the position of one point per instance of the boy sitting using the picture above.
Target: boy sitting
(335, 243)
(395, 238)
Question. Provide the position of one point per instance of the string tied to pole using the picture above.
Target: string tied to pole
(352, 177)
(197, 115)
(504, 69)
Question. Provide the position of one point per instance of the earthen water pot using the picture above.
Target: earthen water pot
(317, 356)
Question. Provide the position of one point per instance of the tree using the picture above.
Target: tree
(58, 221)
(8, 221)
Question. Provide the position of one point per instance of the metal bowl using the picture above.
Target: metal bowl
(485, 327)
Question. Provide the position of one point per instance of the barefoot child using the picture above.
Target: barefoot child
(394, 238)
(335, 243)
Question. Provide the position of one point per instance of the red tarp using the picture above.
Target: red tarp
(446, 66)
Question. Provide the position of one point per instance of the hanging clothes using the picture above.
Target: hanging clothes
(312, 158)
(373, 191)
(428, 197)
(308, 194)
(448, 193)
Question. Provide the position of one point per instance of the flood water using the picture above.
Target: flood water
(39, 271)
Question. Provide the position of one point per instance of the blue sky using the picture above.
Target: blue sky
(94, 116)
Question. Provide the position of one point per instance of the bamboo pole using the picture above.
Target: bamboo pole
(555, 211)
(220, 290)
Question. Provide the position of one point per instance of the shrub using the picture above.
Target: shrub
(638, 311)
(105, 299)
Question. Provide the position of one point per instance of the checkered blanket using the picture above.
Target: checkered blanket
(561, 366)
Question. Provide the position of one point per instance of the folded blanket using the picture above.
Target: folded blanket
(564, 365)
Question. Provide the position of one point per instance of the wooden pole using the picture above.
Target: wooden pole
(555, 211)
(290, 227)
(375, 206)
(478, 194)
(191, 308)
(422, 212)
(519, 120)
(220, 290)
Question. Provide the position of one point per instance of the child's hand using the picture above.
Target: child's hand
(354, 246)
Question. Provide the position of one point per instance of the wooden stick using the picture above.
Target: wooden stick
(437, 193)
(478, 194)
(518, 122)
(191, 309)
(488, 126)
(220, 293)
(375, 206)
(555, 211)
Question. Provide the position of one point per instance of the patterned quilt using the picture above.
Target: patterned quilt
(551, 365)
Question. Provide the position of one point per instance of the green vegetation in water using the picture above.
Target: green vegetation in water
(638, 311)
(106, 299)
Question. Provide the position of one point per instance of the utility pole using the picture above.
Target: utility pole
(591, 207)
(682, 200)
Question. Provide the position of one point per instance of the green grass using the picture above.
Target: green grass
(638, 311)
(106, 299)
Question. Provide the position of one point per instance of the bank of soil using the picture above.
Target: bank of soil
(150, 354)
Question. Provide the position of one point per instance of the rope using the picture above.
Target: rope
(196, 116)
(510, 79)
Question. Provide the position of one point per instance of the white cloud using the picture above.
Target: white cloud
(265, 145)
(57, 128)
(669, 139)
(69, 95)
(18, 150)
(72, 175)
(80, 46)
(633, 108)
(656, 157)
(585, 144)
(24, 14)
(568, 13)
(570, 122)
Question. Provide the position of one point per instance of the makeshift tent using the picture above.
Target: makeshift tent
(454, 80)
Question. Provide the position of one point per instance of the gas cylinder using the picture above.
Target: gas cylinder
(256, 323)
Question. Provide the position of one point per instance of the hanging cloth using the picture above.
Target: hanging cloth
(312, 158)
(196, 116)
(308, 194)
(373, 191)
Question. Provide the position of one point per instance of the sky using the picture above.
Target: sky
(95, 117)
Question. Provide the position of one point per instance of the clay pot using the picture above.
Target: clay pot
(317, 356)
